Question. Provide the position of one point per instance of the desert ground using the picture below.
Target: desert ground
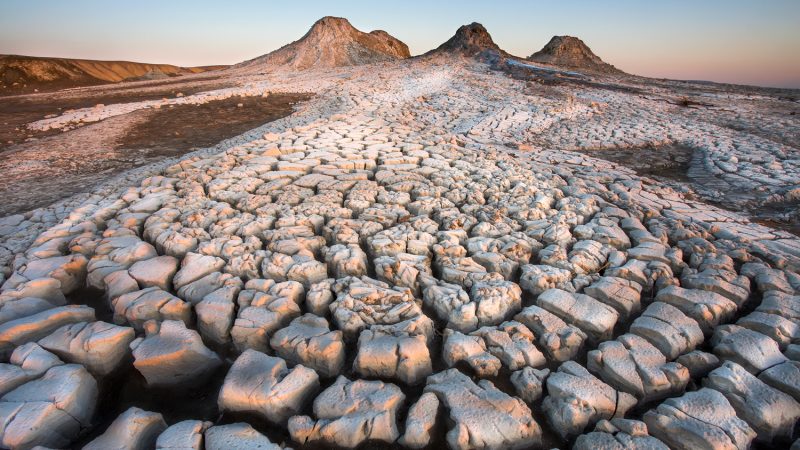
(463, 249)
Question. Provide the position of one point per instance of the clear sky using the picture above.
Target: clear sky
(739, 41)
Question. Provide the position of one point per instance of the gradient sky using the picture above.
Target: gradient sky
(738, 41)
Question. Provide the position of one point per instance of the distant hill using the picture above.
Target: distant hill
(25, 73)
(469, 40)
(571, 52)
(333, 42)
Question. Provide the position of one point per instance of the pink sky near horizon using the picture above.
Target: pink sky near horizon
(734, 41)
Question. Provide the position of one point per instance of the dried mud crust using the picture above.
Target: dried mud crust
(440, 288)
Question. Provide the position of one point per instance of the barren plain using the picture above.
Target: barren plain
(462, 249)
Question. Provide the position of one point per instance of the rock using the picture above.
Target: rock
(47, 289)
(138, 307)
(194, 267)
(263, 385)
(537, 279)
(135, 429)
(346, 260)
(69, 270)
(28, 362)
(155, 272)
(621, 294)
(699, 420)
(512, 343)
(309, 341)
(781, 304)
(319, 297)
(619, 434)
(496, 301)
(561, 341)
(784, 377)
(668, 329)
(781, 330)
(633, 365)
(264, 310)
(197, 290)
(215, 315)
(699, 363)
(649, 251)
(708, 309)
(101, 347)
(50, 411)
(349, 413)
(472, 350)
(420, 422)
(39, 325)
(171, 355)
(771, 413)
(237, 436)
(395, 351)
(723, 282)
(577, 400)
(595, 319)
(185, 435)
(451, 303)
(361, 303)
(529, 382)
(752, 350)
(482, 415)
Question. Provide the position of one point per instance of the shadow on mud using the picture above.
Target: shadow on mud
(681, 166)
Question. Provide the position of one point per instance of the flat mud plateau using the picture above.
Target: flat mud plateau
(40, 172)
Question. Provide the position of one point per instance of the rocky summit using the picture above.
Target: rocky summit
(333, 42)
(572, 53)
(427, 252)
(469, 40)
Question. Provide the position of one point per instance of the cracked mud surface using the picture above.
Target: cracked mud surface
(426, 253)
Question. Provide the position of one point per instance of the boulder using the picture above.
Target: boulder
(577, 400)
(28, 362)
(171, 355)
(309, 341)
(668, 329)
(32, 328)
(237, 436)
(263, 385)
(398, 351)
(50, 411)
(349, 413)
(135, 429)
(595, 319)
(750, 349)
(560, 341)
(529, 382)
(482, 415)
(702, 419)
(619, 434)
(420, 422)
(771, 413)
(633, 365)
(101, 347)
(138, 307)
(184, 435)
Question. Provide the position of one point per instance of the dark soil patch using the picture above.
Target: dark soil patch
(173, 131)
(18, 111)
(672, 161)
(677, 163)
(40, 173)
